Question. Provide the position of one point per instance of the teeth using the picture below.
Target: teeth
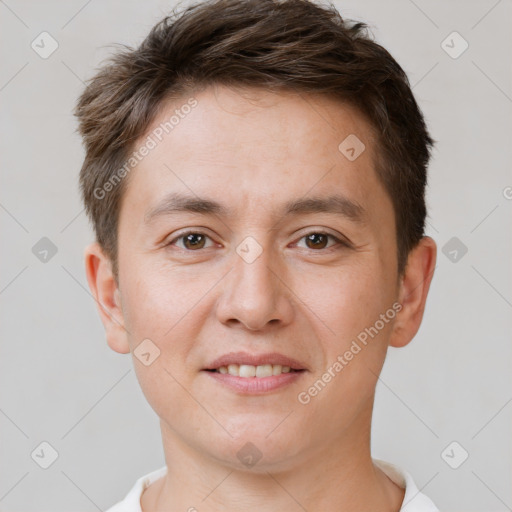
(233, 369)
(277, 369)
(247, 370)
(265, 370)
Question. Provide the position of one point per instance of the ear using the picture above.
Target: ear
(98, 269)
(413, 291)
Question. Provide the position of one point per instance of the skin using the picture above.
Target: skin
(253, 150)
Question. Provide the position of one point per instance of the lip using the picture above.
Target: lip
(255, 385)
(255, 360)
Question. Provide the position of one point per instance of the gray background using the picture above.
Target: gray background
(59, 381)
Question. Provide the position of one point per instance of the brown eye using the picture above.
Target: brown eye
(318, 240)
(192, 240)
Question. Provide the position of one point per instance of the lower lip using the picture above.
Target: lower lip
(256, 385)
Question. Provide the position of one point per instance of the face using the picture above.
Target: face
(289, 260)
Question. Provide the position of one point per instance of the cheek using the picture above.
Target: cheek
(349, 303)
(158, 301)
(163, 307)
(345, 300)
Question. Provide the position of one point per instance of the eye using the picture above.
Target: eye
(317, 240)
(192, 240)
(196, 240)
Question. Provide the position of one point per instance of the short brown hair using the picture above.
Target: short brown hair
(294, 45)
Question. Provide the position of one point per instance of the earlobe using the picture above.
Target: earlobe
(105, 291)
(414, 288)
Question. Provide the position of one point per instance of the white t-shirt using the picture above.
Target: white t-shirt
(414, 500)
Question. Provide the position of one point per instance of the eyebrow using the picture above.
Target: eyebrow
(337, 204)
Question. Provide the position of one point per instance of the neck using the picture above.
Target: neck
(338, 476)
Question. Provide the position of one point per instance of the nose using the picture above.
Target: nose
(255, 293)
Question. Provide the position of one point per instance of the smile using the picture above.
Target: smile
(245, 380)
(248, 371)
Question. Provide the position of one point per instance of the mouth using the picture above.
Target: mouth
(245, 364)
(248, 371)
(255, 374)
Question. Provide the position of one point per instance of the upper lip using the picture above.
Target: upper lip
(255, 360)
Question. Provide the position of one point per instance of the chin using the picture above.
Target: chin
(257, 448)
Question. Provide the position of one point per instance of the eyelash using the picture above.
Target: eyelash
(340, 242)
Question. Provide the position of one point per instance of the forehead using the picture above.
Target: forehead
(257, 148)
(286, 124)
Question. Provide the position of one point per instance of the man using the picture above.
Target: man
(255, 172)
